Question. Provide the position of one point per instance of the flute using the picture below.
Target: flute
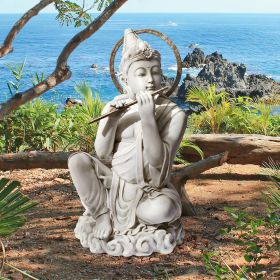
(159, 91)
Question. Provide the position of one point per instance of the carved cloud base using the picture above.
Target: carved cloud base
(143, 243)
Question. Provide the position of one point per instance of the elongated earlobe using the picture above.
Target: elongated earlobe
(122, 79)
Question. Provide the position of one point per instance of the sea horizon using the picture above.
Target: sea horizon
(249, 38)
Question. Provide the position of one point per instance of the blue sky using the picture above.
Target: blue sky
(186, 6)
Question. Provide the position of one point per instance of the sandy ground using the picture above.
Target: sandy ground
(47, 248)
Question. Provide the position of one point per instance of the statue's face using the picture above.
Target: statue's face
(144, 75)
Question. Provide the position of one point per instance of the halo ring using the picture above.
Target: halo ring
(161, 36)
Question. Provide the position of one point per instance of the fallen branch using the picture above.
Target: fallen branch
(242, 148)
(62, 71)
(180, 175)
(49, 160)
(34, 159)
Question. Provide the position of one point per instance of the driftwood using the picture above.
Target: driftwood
(242, 148)
(48, 160)
(181, 174)
(34, 159)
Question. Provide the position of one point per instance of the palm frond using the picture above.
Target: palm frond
(12, 206)
(272, 195)
(189, 145)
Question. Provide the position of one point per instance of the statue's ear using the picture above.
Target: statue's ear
(122, 79)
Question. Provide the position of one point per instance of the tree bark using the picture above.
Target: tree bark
(180, 175)
(242, 148)
(7, 45)
(62, 71)
(34, 159)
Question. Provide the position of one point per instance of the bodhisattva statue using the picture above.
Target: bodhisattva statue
(131, 208)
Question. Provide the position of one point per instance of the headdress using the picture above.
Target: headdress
(135, 49)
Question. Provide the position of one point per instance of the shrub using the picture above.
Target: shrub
(38, 125)
(224, 114)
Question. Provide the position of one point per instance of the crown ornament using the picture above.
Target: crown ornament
(134, 49)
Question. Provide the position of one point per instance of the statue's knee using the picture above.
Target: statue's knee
(165, 208)
(79, 161)
(157, 210)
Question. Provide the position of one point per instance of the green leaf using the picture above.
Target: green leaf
(248, 258)
(12, 205)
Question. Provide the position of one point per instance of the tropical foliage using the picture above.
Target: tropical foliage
(39, 125)
(12, 205)
(79, 14)
(224, 114)
(187, 144)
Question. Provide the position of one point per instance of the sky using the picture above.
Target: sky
(167, 6)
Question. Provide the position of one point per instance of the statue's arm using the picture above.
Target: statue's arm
(170, 139)
(154, 142)
(171, 136)
(105, 137)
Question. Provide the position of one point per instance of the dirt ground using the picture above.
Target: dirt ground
(47, 248)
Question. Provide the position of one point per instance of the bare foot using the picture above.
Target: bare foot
(103, 227)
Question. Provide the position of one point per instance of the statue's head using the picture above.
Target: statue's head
(140, 66)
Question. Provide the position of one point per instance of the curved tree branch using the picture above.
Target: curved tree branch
(62, 71)
(7, 45)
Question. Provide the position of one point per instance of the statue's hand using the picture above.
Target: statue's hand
(146, 105)
(120, 101)
(117, 103)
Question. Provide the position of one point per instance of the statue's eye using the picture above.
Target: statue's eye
(156, 71)
(141, 72)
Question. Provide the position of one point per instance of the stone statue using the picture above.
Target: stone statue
(131, 208)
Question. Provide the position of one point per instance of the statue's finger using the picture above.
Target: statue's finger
(149, 97)
(139, 100)
(144, 97)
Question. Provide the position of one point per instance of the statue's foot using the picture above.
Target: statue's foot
(103, 227)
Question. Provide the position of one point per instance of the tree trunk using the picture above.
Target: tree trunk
(7, 45)
(62, 71)
(242, 148)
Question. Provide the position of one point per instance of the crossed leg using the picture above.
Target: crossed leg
(91, 191)
(158, 210)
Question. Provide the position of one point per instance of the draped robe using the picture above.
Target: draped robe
(132, 179)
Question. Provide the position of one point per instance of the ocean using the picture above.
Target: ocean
(252, 39)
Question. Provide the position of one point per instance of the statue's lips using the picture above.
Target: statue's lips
(150, 88)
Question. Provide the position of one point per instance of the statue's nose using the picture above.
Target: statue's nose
(150, 78)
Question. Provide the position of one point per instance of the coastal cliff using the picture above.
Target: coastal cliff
(225, 75)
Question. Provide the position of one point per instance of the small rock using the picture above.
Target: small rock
(16, 276)
(153, 259)
(59, 180)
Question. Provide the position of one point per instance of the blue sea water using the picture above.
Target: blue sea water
(252, 39)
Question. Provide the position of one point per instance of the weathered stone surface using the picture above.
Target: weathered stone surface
(194, 59)
(227, 76)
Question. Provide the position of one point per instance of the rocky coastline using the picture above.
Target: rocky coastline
(226, 75)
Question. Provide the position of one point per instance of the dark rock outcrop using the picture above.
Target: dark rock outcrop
(194, 59)
(227, 76)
